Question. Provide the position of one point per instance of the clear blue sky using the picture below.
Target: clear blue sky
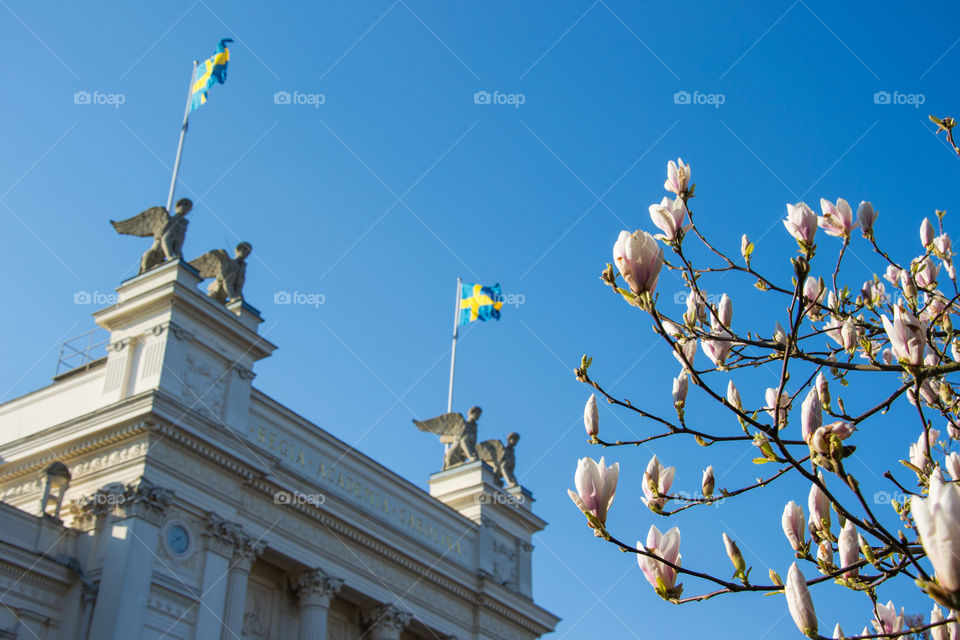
(398, 182)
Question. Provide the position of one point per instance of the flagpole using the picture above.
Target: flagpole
(453, 351)
(183, 134)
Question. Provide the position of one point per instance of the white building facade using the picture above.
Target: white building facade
(199, 508)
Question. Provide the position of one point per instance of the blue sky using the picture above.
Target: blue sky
(388, 181)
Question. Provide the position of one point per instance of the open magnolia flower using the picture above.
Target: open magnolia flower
(837, 219)
(667, 547)
(938, 522)
(668, 216)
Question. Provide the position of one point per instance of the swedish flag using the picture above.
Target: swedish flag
(478, 302)
(210, 72)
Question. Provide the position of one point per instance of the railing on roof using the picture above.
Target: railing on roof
(82, 349)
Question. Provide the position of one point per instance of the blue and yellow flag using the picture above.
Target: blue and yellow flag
(210, 72)
(478, 302)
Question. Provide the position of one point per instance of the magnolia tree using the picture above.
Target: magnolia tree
(899, 327)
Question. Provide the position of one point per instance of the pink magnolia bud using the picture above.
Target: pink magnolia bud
(838, 633)
(708, 482)
(819, 507)
(717, 350)
(907, 339)
(746, 248)
(953, 430)
(680, 390)
(837, 220)
(596, 487)
(656, 483)
(833, 328)
(678, 176)
(801, 223)
(823, 390)
(925, 272)
(926, 233)
(920, 451)
(668, 217)
(811, 417)
(639, 259)
(866, 217)
(942, 246)
(907, 285)
(733, 552)
(591, 417)
(825, 554)
(813, 292)
(941, 632)
(800, 603)
(794, 526)
(772, 399)
(938, 519)
(848, 548)
(892, 274)
(848, 335)
(733, 396)
(685, 352)
(779, 335)
(724, 312)
(952, 463)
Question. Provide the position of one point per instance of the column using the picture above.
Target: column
(315, 589)
(219, 537)
(132, 530)
(385, 622)
(245, 551)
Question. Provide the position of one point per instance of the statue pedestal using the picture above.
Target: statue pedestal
(506, 521)
(166, 335)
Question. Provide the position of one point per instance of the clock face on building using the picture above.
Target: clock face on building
(178, 539)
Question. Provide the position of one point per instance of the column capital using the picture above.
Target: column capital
(316, 588)
(229, 539)
(386, 619)
(140, 498)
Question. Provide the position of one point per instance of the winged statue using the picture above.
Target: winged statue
(500, 457)
(458, 432)
(167, 231)
(228, 273)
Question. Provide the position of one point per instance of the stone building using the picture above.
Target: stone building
(155, 493)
